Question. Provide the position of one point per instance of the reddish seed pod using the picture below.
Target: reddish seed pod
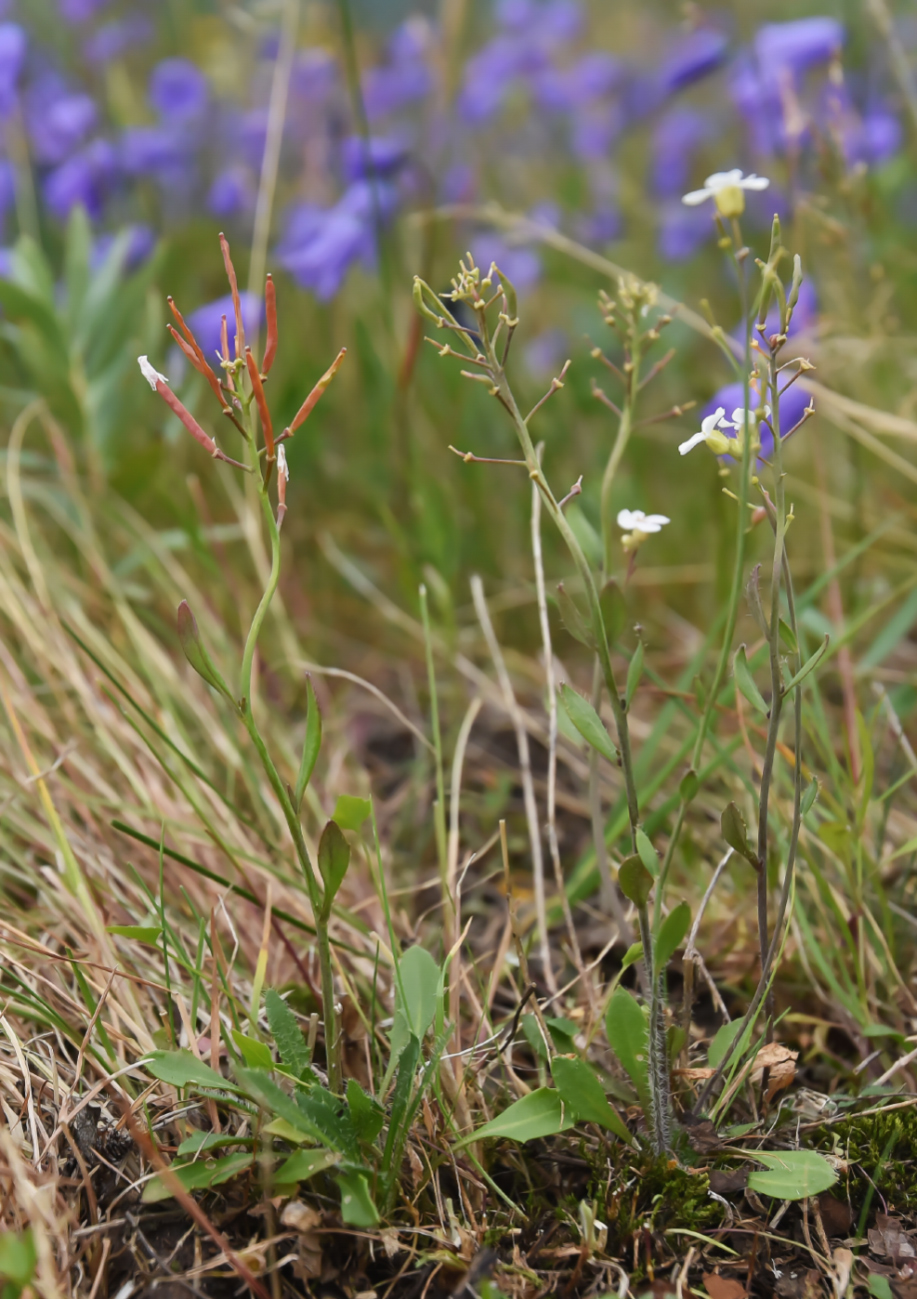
(314, 396)
(197, 360)
(234, 289)
(224, 351)
(261, 402)
(270, 311)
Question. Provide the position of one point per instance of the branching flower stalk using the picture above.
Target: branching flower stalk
(489, 359)
(241, 394)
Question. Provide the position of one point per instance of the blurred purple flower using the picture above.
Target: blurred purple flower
(113, 38)
(458, 184)
(797, 45)
(406, 77)
(678, 134)
(546, 20)
(593, 76)
(178, 90)
(882, 135)
(230, 193)
(520, 265)
(314, 75)
(6, 263)
(381, 155)
(696, 55)
(320, 245)
(682, 231)
(140, 245)
(601, 225)
(84, 179)
(491, 73)
(58, 125)
(79, 11)
(805, 313)
(205, 321)
(13, 43)
(165, 153)
(793, 401)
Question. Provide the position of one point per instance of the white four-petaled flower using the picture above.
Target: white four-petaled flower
(638, 526)
(726, 188)
(710, 432)
(152, 376)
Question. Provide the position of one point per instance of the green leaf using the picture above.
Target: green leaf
(540, 1114)
(633, 954)
(195, 651)
(287, 1132)
(584, 1094)
(357, 1208)
(807, 667)
(635, 881)
(420, 978)
(311, 745)
(786, 635)
(261, 1087)
(647, 854)
(671, 934)
(182, 1069)
(634, 673)
(328, 1115)
(366, 1114)
(17, 1257)
(573, 620)
(350, 812)
(746, 682)
(202, 1174)
(198, 1142)
(625, 1027)
(561, 1032)
(689, 785)
(735, 832)
(140, 933)
(808, 799)
(286, 1033)
(587, 722)
(723, 1039)
(255, 1054)
(304, 1164)
(333, 860)
(792, 1175)
(879, 1286)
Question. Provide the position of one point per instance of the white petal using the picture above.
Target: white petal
(712, 421)
(655, 521)
(691, 443)
(152, 376)
(723, 179)
(282, 466)
(754, 182)
(697, 196)
(628, 519)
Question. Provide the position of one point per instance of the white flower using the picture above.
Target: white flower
(152, 376)
(637, 521)
(710, 433)
(638, 526)
(282, 466)
(726, 189)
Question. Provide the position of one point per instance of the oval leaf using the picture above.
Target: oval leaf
(421, 978)
(350, 812)
(587, 722)
(357, 1208)
(540, 1114)
(635, 881)
(792, 1174)
(197, 1176)
(625, 1027)
(634, 673)
(305, 1164)
(573, 620)
(807, 667)
(182, 1069)
(581, 1090)
(333, 860)
(195, 651)
(671, 935)
(746, 682)
(735, 832)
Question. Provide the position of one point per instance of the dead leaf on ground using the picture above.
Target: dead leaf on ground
(724, 1287)
(836, 1215)
(780, 1063)
(800, 1285)
(888, 1239)
(723, 1181)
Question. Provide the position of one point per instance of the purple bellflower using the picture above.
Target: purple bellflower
(678, 135)
(83, 180)
(695, 56)
(380, 155)
(59, 124)
(13, 44)
(178, 91)
(321, 244)
(232, 192)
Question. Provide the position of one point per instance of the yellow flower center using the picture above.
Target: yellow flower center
(730, 201)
